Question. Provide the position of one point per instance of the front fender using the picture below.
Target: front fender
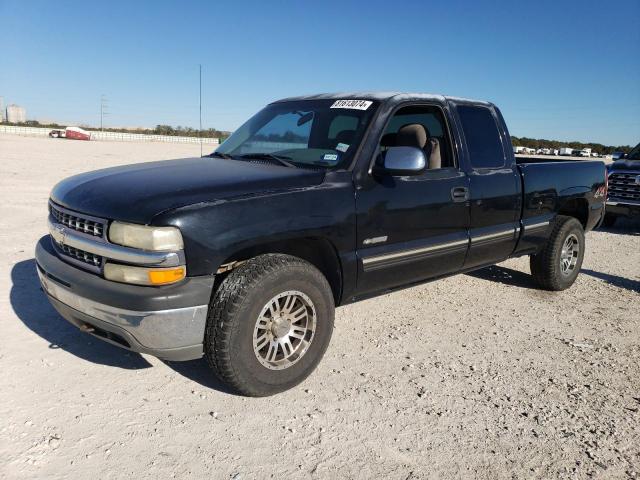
(214, 231)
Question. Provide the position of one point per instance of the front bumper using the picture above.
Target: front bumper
(624, 208)
(167, 322)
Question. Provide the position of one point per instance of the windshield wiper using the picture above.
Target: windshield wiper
(281, 159)
(220, 155)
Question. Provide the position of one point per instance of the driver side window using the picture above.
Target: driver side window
(422, 127)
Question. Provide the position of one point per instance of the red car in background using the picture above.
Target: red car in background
(74, 133)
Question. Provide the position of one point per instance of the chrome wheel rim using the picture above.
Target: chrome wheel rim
(569, 254)
(284, 330)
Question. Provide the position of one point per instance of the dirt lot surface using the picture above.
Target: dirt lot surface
(475, 376)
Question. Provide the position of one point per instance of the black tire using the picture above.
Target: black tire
(546, 266)
(235, 308)
(609, 220)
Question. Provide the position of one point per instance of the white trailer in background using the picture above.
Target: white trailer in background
(518, 149)
(566, 151)
(585, 152)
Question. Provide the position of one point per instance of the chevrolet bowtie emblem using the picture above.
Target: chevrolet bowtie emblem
(60, 234)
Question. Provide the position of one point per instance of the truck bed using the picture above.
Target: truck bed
(547, 184)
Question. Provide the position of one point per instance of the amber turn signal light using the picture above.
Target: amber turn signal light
(164, 276)
(144, 275)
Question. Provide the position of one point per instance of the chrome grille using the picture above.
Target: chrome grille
(623, 186)
(86, 257)
(77, 221)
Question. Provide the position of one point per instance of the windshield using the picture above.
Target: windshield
(314, 133)
(635, 153)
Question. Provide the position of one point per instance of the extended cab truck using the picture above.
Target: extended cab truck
(314, 202)
(624, 188)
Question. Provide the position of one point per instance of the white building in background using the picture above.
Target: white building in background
(16, 114)
(1, 109)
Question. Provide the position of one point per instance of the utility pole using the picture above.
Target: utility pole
(200, 106)
(103, 110)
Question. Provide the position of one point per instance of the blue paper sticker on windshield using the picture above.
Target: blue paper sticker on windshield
(330, 157)
(342, 147)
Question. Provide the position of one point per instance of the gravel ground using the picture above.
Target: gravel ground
(475, 376)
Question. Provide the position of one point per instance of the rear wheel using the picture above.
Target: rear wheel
(556, 267)
(269, 324)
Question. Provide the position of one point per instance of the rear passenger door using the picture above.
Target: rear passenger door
(495, 189)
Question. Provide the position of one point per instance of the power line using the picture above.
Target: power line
(200, 107)
(103, 110)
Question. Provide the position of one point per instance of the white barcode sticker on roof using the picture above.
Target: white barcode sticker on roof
(353, 104)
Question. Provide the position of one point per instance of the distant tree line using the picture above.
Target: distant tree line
(158, 130)
(214, 133)
(185, 132)
(286, 137)
(553, 144)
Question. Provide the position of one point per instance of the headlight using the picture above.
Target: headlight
(143, 275)
(144, 237)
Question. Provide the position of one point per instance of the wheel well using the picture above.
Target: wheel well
(577, 208)
(317, 251)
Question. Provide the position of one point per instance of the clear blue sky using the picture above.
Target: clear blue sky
(567, 70)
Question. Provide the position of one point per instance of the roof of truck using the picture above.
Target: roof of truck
(381, 96)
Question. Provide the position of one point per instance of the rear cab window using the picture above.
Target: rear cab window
(482, 137)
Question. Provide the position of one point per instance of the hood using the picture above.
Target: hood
(625, 164)
(136, 193)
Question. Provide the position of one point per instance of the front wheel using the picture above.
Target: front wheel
(269, 324)
(556, 267)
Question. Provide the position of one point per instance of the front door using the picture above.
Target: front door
(413, 228)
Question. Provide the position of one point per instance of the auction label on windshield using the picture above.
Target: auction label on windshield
(353, 104)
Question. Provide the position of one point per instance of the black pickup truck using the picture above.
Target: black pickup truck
(314, 202)
(623, 199)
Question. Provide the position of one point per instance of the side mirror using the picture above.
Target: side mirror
(401, 162)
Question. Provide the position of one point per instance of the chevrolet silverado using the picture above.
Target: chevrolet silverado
(315, 202)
